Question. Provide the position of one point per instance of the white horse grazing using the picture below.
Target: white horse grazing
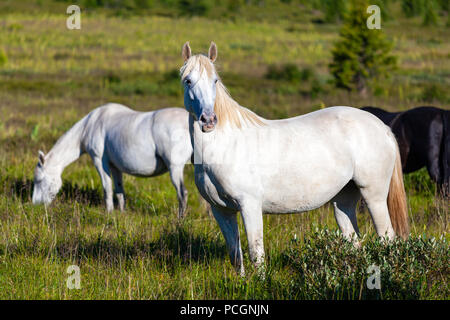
(249, 164)
(119, 140)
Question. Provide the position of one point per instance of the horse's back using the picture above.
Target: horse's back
(352, 134)
(385, 116)
(131, 140)
(107, 116)
(341, 119)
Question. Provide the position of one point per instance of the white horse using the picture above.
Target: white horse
(246, 163)
(119, 140)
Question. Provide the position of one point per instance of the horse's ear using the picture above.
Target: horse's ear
(212, 54)
(41, 157)
(186, 51)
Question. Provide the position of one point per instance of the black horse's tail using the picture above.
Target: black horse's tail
(445, 152)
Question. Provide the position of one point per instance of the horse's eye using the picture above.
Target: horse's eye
(215, 81)
(188, 82)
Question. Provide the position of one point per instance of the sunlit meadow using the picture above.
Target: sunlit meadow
(52, 76)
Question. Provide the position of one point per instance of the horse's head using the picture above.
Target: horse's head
(199, 79)
(47, 181)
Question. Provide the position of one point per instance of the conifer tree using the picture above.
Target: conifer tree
(361, 54)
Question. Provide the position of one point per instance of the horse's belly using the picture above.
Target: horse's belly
(144, 164)
(299, 191)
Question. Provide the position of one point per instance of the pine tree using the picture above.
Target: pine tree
(361, 54)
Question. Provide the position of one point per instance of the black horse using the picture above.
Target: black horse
(423, 138)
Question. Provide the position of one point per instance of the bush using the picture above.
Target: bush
(235, 5)
(164, 84)
(316, 88)
(413, 8)
(114, 4)
(419, 182)
(194, 7)
(289, 72)
(434, 93)
(327, 266)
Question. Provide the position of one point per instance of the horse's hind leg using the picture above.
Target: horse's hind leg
(103, 169)
(434, 167)
(344, 204)
(118, 187)
(376, 199)
(176, 175)
(251, 213)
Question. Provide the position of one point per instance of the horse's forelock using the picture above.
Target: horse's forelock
(200, 60)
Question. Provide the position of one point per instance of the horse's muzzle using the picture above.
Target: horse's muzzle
(208, 122)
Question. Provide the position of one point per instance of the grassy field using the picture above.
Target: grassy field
(51, 77)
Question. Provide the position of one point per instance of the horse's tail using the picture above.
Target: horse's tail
(396, 201)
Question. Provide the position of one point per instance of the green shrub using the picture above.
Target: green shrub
(194, 7)
(316, 88)
(307, 74)
(114, 4)
(413, 8)
(420, 182)
(434, 93)
(157, 84)
(327, 266)
(143, 4)
(287, 72)
(235, 5)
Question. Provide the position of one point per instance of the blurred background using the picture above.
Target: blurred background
(275, 56)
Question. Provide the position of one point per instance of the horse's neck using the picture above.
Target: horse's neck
(212, 147)
(67, 149)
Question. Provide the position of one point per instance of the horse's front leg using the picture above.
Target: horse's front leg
(253, 221)
(176, 176)
(227, 221)
(102, 166)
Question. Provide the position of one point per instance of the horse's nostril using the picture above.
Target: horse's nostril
(208, 119)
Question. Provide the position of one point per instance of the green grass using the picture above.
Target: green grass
(50, 77)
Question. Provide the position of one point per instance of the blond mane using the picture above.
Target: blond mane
(227, 110)
(202, 61)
